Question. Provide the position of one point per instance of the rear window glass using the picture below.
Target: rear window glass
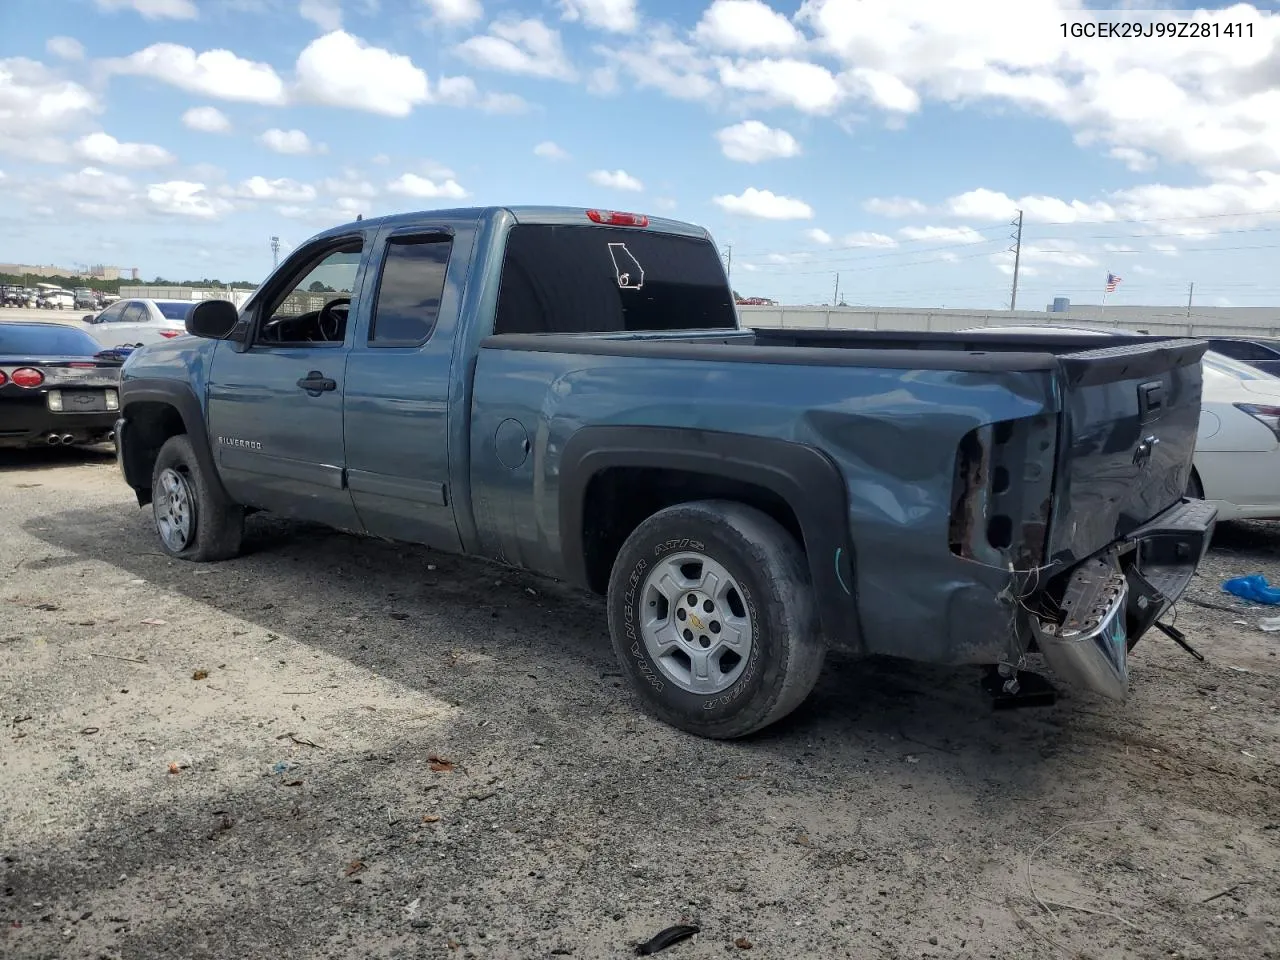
(30, 340)
(589, 279)
(175, 311)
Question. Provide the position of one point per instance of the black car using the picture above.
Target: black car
(57, 386)
(1260, 352)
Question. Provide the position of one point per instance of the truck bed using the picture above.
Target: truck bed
(1028, 454)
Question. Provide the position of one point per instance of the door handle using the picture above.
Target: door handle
(316, 382)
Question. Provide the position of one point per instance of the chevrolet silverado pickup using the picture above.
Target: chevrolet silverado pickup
(571, 392)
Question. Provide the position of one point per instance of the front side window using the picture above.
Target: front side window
(113, 313)
(410, 290)
(590, 279)
(313, 305)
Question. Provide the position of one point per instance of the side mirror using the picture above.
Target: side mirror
(87, 318)
(212, 319)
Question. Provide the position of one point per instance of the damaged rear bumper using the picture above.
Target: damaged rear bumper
(1110, 600)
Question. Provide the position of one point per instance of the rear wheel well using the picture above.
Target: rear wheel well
(619, 499)
(151, 423)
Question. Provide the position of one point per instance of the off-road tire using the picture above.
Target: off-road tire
(218, 523)
(773, 576)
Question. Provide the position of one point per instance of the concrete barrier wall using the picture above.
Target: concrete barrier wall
(1257, 322)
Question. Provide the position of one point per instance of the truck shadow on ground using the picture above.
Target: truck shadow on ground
(597, 807)
(469, 632)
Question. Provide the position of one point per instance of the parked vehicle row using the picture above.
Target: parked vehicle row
(52, 297)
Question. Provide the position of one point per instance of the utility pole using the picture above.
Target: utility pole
(728, 252)
(275, 252)
(835, 298)
(1190, 293)
(1017, 261)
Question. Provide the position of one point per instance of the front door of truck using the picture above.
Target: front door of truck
(401, 388)
(275, 402)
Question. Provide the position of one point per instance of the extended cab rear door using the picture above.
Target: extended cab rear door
(401, 390)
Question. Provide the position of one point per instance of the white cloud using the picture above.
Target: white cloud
(943, 234)
(286, 141)
(526, 47)
(894, 207)
(340, 70)
(185, 198)
(325, 14)
(665, 203)
(747, 26)
(615, 180)
(818, 235)
(455, 12)
(549, 150)
(1201, 101)
(206, 120)
(752, 141)
(1135, 160)
(106, 149)
(65, 48)
(603, 81)
(350, 184)
(96, 184)
(35, 106)
(991, 205)
(764, 205)
(617, 16)
(214, 73)
(882, 89)
(804, 86)
(868, 238)
(661, 62)
(463, 92)
(153, 9)
(1168, 249)
(280, 190)
(412, 185)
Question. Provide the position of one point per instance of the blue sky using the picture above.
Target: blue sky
(888, 141)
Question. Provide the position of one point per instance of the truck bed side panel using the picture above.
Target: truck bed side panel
(893, 432)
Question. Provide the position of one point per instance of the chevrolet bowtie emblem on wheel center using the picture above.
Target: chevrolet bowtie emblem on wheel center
(696, 621)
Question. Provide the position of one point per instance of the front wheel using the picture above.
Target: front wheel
(193, 519)
(713, 618)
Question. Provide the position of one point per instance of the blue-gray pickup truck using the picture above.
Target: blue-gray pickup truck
(571, 392)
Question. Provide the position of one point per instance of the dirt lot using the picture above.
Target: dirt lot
(401, 754)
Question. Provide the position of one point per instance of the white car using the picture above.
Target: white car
(1237, 458)
(134, 323)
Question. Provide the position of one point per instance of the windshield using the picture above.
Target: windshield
(39, 340)
(1235, 369)
(174, 311)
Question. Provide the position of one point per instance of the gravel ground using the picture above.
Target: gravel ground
(396, 753)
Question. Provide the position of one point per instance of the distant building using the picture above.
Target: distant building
(98, 271)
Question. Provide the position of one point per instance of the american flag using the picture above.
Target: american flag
(1112, 282)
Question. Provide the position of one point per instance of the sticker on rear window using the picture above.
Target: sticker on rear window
(626, 268)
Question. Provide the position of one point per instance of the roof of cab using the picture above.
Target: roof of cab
(527, 213)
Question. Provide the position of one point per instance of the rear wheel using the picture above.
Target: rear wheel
(194, 521)
(713, 618)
